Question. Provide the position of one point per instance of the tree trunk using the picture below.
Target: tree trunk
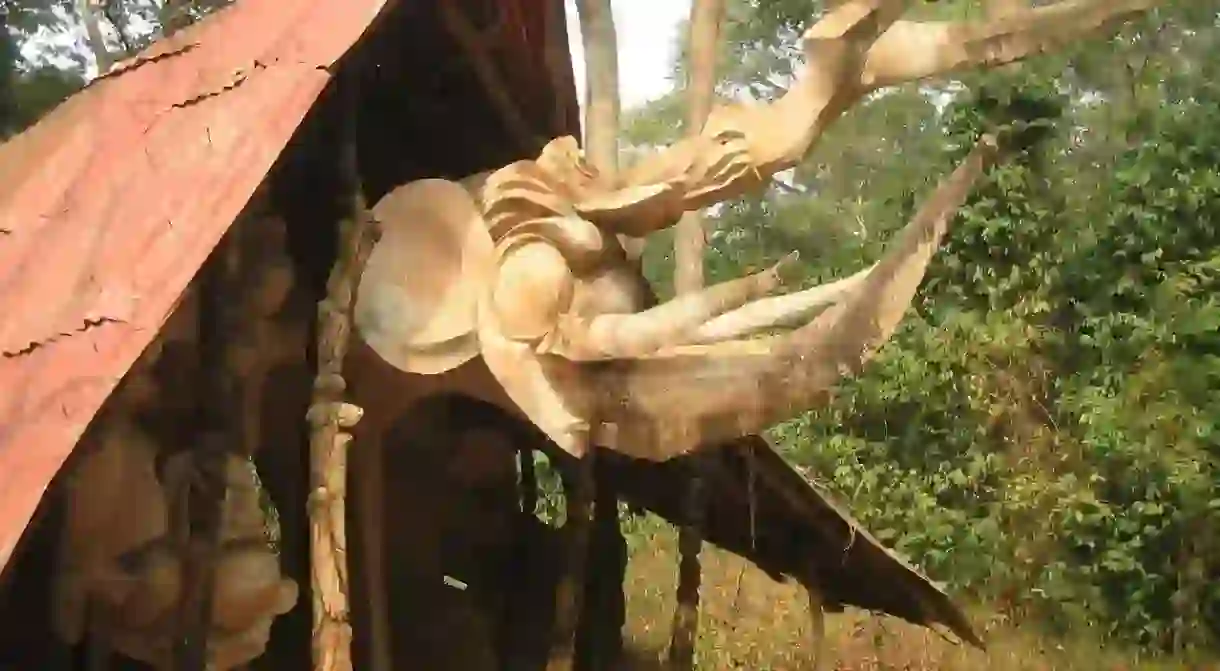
(584, 501)
(602, 107)
(93, 35)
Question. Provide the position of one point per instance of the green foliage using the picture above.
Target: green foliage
(38, 72)
(1044, 433)
(1043, 430)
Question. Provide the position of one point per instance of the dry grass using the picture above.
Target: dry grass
(749, 621)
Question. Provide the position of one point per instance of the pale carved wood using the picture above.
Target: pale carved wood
(549, 303)
(578, 294)
(331, 418)
(518, 290)
(567, 354)
(856, 48)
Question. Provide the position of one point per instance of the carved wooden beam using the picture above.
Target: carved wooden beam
(329, 416)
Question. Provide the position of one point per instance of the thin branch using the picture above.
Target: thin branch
(911, 51)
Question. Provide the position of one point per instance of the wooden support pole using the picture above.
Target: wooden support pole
(689, 243)
(817, 624)
(329, 415)
(579, 492)
(582, 496)
(599, 643)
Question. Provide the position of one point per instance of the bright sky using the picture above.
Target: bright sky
(646, 31)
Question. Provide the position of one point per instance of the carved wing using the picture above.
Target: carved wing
(415, 306)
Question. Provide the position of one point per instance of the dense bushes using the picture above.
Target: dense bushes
(1043, 433)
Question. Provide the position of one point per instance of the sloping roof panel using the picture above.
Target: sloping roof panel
(110, 204)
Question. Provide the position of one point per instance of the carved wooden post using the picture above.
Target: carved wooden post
(329, 415)
(219, 425)
(569, 602)
(817, 623)
(689, 242)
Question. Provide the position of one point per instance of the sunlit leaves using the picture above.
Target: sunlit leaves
(1044, 432)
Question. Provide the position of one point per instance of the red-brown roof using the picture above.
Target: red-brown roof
(111, 204)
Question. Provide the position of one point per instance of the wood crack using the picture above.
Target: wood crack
(88, 325)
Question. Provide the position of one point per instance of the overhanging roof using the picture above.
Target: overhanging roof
(112, 202)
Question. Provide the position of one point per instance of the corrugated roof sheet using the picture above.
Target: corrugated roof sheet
(111, 203)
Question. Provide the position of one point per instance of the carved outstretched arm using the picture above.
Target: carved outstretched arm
(739, 387)
(784, 311)
(535, 287)
(913, 50)
(857, 47)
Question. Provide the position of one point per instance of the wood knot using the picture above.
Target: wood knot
(322, 498)
(330, 383)
(345, 415)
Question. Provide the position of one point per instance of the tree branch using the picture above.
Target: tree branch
(857, 47)
(911, 51)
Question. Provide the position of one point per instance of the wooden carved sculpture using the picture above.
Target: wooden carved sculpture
(520, 293)
(121, 575)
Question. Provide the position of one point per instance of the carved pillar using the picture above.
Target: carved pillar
(599, 640)
(329, 416)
